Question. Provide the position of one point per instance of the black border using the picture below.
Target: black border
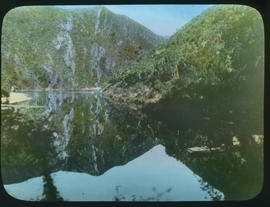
(263, 199)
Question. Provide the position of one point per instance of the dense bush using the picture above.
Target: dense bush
(221, 44)
(4, 93)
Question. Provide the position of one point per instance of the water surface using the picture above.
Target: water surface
(79, 147)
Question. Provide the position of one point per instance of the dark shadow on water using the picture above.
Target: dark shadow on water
(50, 192)
(84, 133)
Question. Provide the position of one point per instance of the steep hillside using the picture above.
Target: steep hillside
(223, 44)
(210, 71)
(47, 47)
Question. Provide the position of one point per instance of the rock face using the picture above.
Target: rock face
(47, 47)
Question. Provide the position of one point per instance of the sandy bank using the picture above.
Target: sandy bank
(60, 90)
(15, 98)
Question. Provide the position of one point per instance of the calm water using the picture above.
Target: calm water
(79, 147)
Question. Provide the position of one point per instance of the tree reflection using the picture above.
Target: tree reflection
(50, 192)
(158, 195)
(97, 137)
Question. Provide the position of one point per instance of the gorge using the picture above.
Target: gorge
(110, 99)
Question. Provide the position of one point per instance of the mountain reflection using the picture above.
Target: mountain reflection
(74, 133)
(83, 133)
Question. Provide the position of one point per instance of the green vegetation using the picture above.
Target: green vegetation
(211, 71)
(4, 93)
(223, 45)
(76, 49)
(205, 85)
(47, 47)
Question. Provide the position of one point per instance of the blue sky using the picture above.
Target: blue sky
(164, 20)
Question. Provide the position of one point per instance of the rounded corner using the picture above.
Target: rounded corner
(10, 196)
(255, 10)
(11, 10)
(257, 194)
(7, 194)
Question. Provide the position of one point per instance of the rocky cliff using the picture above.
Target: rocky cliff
(47, 47)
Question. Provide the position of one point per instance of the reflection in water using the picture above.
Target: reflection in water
(50, 192)
(136, 179)
(107, 154)
(233, 167)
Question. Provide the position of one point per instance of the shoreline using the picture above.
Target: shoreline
(15, 97)
(21, 96)
(57, 89)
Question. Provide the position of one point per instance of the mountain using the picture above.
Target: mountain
(223, 43)
(48, 47)
(212, 69)
(218, 52)
(167, 37)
